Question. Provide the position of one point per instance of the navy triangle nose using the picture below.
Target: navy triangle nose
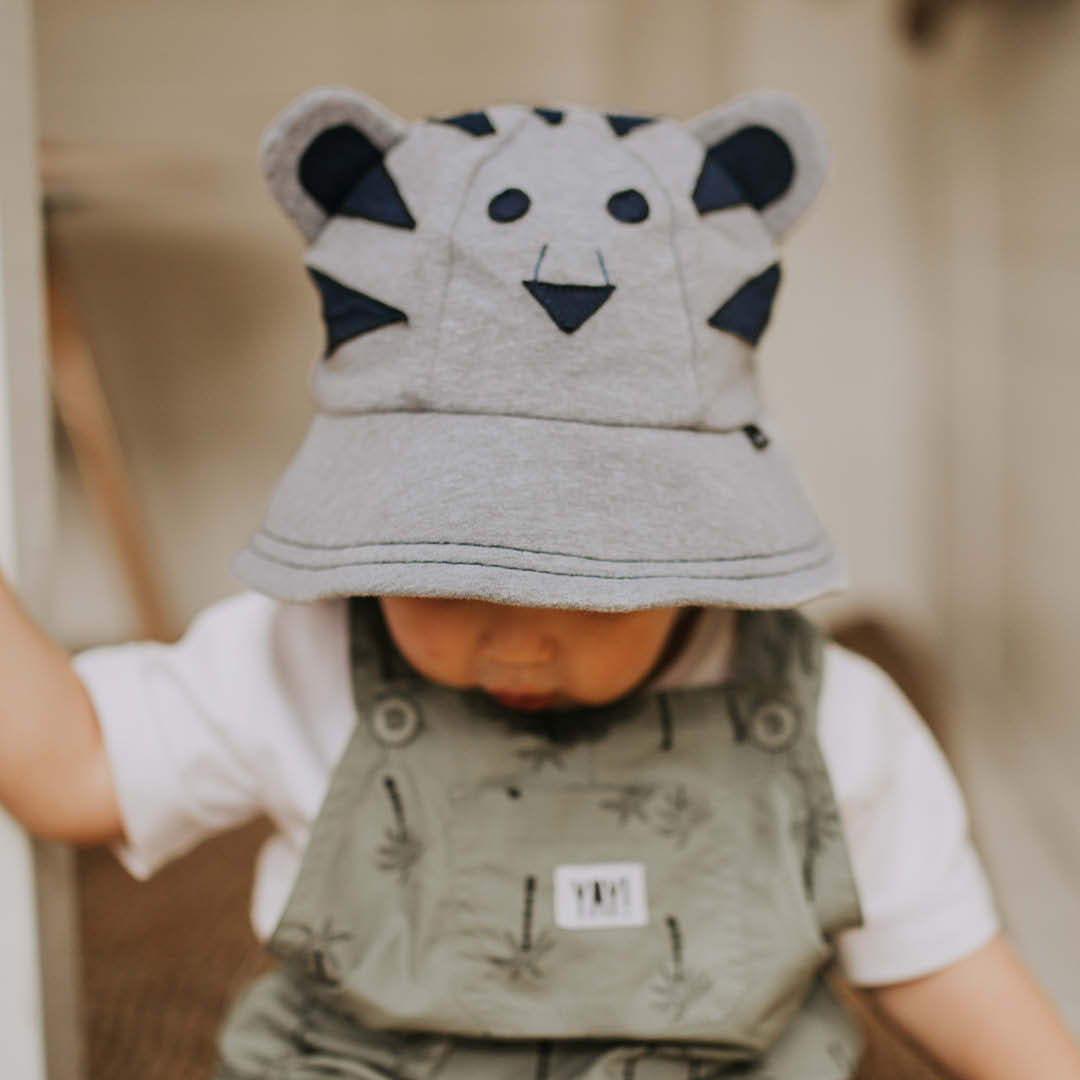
(569, 306)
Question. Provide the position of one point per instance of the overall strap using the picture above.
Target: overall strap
(775, 687)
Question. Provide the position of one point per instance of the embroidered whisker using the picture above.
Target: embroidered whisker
(603, 268)
(536, 271)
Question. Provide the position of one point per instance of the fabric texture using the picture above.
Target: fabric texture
(541, 346)
(252, 710)
(428, 898)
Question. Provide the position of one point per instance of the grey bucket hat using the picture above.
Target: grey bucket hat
(538, 385)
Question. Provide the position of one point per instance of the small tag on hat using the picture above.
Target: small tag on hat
(597, 896)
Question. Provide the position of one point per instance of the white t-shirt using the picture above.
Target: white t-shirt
(252, 710)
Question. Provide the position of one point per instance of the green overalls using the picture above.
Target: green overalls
(641, 891)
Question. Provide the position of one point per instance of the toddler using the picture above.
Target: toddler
(562, 786)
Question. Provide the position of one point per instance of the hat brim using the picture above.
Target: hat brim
(542, 513)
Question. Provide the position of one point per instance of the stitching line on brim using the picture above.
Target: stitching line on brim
(326, 412)
(527, 570)
(270, 534)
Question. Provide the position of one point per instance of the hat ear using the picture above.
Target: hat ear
(324, 155)
(764, 149)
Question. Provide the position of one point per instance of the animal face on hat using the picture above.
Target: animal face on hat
(538, 383)
(565, 264)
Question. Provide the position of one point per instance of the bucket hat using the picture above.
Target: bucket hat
(538, 385)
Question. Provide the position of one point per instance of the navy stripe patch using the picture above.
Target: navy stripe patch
(349, 313)
(622, 124)
(747, 313)
(377, 198)
(475, 123)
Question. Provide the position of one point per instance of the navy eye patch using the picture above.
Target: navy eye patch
(629, 205)
(509, 205)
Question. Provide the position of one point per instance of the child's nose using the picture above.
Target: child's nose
(517, 640)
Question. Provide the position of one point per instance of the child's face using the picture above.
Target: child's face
(529, 658)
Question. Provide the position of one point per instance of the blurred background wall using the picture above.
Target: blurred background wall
(922, 360)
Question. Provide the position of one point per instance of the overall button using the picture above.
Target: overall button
(395, 721)
(774, 726)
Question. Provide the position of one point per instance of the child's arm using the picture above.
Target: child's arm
(54, 776)
(984, 1018)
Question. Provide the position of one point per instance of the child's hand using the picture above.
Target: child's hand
(984, 1019)
(54, 776)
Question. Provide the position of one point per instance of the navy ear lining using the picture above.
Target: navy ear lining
(343, 171)
(746, 314)
(756, 161)
(330, 165)
(349, 313)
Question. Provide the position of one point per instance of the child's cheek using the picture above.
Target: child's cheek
(445, 660)
(433, 637)
(602, 675)
(613, 666)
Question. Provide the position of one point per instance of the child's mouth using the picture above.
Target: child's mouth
(523, 702)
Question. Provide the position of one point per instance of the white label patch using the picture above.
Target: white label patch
(600, 895)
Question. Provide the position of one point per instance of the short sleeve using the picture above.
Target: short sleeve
(194, 732)
(923, 893)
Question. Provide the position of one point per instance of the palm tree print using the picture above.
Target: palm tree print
(401, 849)
(523, 954)
(319, 948)
(676, 988)
(680, 813)
(631, 801)
(541, 755)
